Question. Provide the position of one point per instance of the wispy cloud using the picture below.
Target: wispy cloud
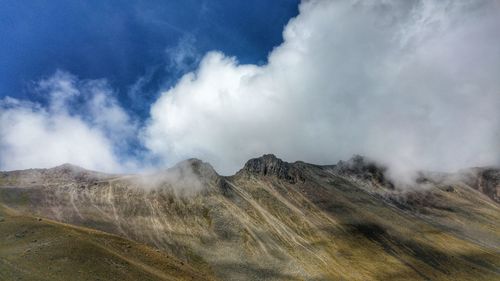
(184, 56)
(93, 134)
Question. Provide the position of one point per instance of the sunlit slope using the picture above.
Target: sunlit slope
(39, 249)
(280, 221)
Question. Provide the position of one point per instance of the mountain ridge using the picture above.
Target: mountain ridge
(275, 220)
(484, 179)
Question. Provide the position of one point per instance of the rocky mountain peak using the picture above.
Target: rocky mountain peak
(360, 167)
(198, 167)
(270, 165)
(356, 163)
(266, 165)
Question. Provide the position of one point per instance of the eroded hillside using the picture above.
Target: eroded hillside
(275, 220)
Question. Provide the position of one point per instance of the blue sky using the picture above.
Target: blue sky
(126, 86)
(123, 41)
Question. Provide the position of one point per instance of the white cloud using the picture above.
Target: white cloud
(184, 56)
(36, 136)
(413, 84)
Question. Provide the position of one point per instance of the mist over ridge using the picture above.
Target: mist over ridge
(411, 85)
(279, 140)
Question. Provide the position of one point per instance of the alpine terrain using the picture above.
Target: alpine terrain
(272, 220)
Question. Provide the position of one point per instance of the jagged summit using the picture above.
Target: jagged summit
(365, 169)
(356, 163)
(358, 166)
(270, 165)
(484, 179)
(272, 216)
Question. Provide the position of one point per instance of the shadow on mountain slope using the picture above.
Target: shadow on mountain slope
(275, 220)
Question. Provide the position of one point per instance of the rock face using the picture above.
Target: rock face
(485, 180)
(270, 165)
(361, 168)
(275, 220)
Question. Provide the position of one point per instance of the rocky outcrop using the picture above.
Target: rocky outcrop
(193, 166)
(485, 180)
(270, 165)
(364, 169)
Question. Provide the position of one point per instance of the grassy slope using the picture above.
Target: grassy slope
(46, 250)
(350, 229)
(328, 227)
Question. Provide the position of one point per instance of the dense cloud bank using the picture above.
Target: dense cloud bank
(412, 84)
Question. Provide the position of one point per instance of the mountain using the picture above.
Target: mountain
(272, 220)
(39, 249)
